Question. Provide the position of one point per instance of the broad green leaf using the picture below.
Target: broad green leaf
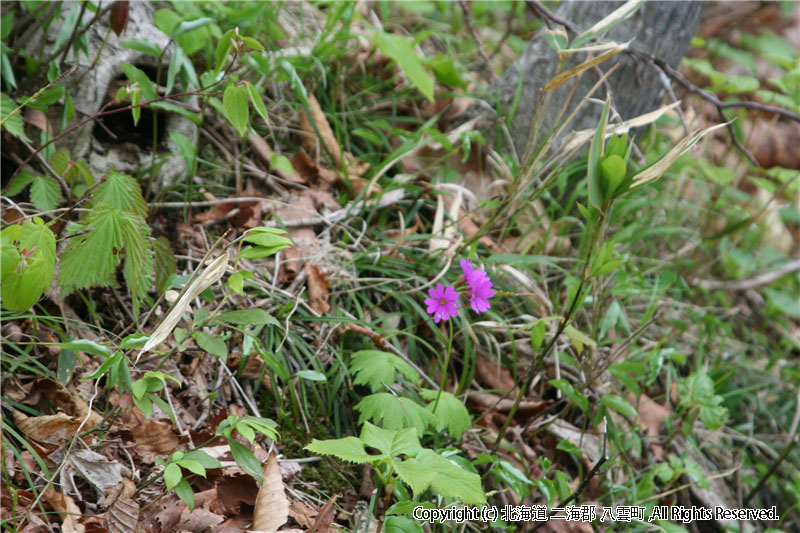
(618, 404)
(137, 75)
(450, 412)
(203, 458)
(138, 269)
(224, 47)
(452, 481)
(246, 460)
(401, 50)
(213, 345)
(446, 72)
(253, 44)
(175, 64)
(248, 317)
(269, 240)
(394, 412)
(613, 171)
(133, 340)
(569, 391)
(22, 180)
(192, 466)
(401, 524)
(255, 99)
(376, 368)
(391, 442)
(146, 46)
(9, 259)
(347, 449)
(164, 264)
(172, 475)
(234, 103)
(415, 474)
(31, 248)
(185, 493)
(45, 193)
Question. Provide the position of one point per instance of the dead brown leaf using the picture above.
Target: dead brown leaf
(153, 438)
(264, 152)
(651, 417)
(325, 518)
(302, 514)
(493, 376)
(320, 176)
(123, 513)
(317, 289)
(67, 510)
(311, 140)
(271, 510)
(51, 429)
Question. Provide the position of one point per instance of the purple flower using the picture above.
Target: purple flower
(443, 303)
(480, 287)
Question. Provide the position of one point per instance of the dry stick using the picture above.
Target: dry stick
(751, 283)
(468, 22)
(83, 30)
(74, 33)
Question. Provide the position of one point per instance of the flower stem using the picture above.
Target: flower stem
(446, 365)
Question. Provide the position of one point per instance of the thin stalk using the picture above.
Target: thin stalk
(446, 367)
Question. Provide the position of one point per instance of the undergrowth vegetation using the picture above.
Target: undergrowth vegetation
(344, 311)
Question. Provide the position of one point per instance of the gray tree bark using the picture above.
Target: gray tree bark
(660, 28)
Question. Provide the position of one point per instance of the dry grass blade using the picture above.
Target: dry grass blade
(616, 16)
(67, 510)
(272, 507)
(208, 277)
(655, 171)
(564, 77)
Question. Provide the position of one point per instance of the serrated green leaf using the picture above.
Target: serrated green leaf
(172, 475)
(22, 180)
(146, 46)
(106, 237)
(248, 317)
(9, 259)
(375, 368)
(258, 104)
(451, 412)
(234, 104)
(137, 75)
(213, 345)
(395, 413)
(138, 269)
(403, 53)
(246, 460)
(34, 248)
(415, 474)
(165, 264)
(618, 404)
(347, 449)
(45, 193)
(452, 481)
(12, 123)
(121, 191)
(391, 442)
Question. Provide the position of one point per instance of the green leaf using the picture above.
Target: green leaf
(569, 391)
(12, 123)
(618, 404)
(446, 72)
(401, 524)
(121, 191)
(376, 368)
(138, 269)
(401, 50)
(248, 317)
(187, 149)
(184, 492)
(213, 345)
(311, 375)
(415, 474)
(234, 103)
(193, 466)
(578, 339)
(451, 412)
(136, 110)
(280, 162)
(172, 474)
(347, 449)
(223, 49)
(596, 189)
(203, 459)
(452, 481)
(45, 193)
(30, 248)
(255, 99)
(137, 75)
(86, 346)
(613, 171)
(165, 264)
(146, 46)
(175, 64)
(134, 340)
(394, 412)
(22, 180)
(246, 460)
(390, 442)
(253, 44)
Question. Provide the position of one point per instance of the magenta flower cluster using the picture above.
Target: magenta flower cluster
(443, 302)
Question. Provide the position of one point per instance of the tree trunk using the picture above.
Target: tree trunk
(660, 28)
